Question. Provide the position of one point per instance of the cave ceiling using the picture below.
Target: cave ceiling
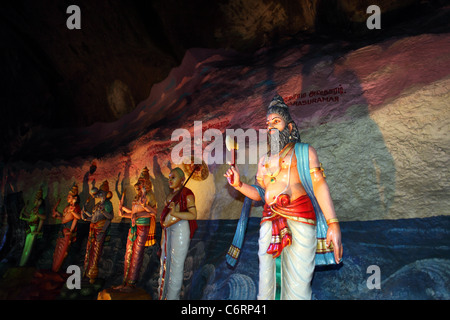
(54, 77)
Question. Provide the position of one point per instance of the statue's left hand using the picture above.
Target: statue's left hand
(334, 236)
(174, 207)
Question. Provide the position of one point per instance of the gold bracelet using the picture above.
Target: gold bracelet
(334, 220)
(315, 169)
(312, 170)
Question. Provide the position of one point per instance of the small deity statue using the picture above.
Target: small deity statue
(100, 218)
(35, 219)
(142, 230)
(178, 221)
(68, 235)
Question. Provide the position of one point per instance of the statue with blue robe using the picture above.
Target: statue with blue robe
(299, 228)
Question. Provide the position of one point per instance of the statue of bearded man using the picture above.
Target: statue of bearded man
(291, 182)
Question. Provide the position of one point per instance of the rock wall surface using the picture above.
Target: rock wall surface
(56, 77)
(376, 115)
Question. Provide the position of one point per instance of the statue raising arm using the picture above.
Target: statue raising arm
(86, 215)
(234, 179)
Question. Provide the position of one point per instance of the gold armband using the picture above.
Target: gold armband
(334, 220)
(312, 170)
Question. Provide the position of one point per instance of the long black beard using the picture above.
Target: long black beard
(277, 143)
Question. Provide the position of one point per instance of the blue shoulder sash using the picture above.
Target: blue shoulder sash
(324, 256)
(235, 249)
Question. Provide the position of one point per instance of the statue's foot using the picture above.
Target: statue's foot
(128, 288)
(119, 287)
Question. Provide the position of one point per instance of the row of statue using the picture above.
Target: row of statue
(178, 221)
(299, 227)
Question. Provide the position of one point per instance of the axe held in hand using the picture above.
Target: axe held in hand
(232, 146)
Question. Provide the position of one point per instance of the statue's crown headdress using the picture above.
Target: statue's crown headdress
(277, 101)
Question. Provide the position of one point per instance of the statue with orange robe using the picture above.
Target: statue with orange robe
(68, 234)
(142, 230)
(100, 218)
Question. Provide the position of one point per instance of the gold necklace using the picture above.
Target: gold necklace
(283, 153)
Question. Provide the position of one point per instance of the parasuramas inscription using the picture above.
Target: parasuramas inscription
(315, 96)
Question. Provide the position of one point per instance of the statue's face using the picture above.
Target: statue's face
(139, 188)
(278, 132)
(70, 199)
(275, 121)
(101, 195)
(175, 180)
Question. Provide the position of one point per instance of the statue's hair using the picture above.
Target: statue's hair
(279, 107)
(180, 172)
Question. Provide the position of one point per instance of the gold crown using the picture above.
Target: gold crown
(39, 194)
(104, 187)
(74, 190)
(144, 178)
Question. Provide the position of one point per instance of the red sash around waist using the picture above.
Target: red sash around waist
(300, 210)
(181, 199)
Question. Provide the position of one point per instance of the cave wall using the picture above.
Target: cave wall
(381, 135)
(387, 123)
(376, 112)
(54, 77)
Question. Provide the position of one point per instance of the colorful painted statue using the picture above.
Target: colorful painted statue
(299, 224)
(178, 226)
(142, 230)
(35, 220)
(68, 235)
(100, 218)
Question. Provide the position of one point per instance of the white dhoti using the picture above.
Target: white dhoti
(297, 263)
(174, 249)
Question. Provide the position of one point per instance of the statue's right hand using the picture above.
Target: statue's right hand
(233, 176)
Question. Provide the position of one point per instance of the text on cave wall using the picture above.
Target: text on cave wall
(315, 96)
